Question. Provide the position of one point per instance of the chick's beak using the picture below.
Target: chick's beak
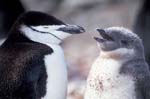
(105, 35)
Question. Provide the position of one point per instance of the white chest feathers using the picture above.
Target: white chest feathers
(105, 82)
(57, 74)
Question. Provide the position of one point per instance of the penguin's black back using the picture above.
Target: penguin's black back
(22, 70)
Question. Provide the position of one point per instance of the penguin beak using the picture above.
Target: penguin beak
(106, 42)
(105, 36)
(72, 29)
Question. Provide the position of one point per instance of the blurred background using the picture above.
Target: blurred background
(81, 50)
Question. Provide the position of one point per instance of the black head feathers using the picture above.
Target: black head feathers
(35, 18)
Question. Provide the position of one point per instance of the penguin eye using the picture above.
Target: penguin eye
(127, 44)
(46, 27)
(132, 41)
(124, 42)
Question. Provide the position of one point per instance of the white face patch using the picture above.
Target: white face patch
(51, 35)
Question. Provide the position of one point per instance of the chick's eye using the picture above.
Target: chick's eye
(124, 42)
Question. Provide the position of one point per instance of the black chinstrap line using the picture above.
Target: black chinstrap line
(45, 32)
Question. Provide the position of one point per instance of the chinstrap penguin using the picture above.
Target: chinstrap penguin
(32, 64)
(120, 71)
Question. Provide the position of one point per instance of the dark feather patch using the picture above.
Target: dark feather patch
(34, 18)
(22, 71)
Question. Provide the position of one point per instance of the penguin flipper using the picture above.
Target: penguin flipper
(34, 82)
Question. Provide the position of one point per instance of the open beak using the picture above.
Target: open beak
(72, 29)
(104, 36)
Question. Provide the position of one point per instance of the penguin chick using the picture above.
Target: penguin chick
(120, 71)
(32, 64)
